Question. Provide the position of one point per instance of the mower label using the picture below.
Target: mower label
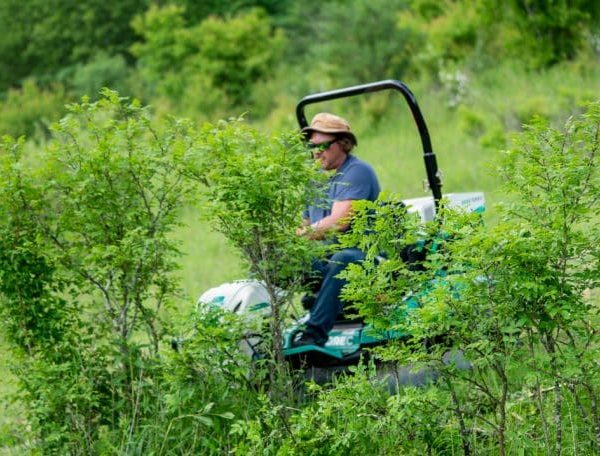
(341, 339)
(337, 340)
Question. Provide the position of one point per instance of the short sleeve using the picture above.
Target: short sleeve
(358, 182)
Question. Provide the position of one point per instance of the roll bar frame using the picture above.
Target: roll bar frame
(431, 167)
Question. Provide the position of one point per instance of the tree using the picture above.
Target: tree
(31, 109)
(539, 33)
(353, 42)
(41, 38)
(198, 10)
(550, 32)
(256, 189)
(218, 56)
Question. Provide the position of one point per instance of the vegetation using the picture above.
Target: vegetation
(254, 186)
(512, 298)
(117, 212)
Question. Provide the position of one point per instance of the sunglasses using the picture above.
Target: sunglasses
(321, 147)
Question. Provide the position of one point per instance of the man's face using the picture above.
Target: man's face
(331, 157)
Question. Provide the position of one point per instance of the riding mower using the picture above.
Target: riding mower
(349, 340)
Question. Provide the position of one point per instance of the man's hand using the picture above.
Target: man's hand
(303, 230)
(309, 232)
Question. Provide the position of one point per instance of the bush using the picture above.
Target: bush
(511, 297)
(226, 56)
(200, 389)
(256, 188)
(30, 110)
(86, 271)
(102, 70)
(374, 47)
(86, 267)
(533, 107)
(471, 122)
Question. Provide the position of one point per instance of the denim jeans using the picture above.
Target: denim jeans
(328, 304)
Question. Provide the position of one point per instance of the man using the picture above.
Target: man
(331, 141)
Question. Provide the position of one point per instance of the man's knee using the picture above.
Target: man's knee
(347, 256)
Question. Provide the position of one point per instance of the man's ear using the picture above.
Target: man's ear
(346, 144)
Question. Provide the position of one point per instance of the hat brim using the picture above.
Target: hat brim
(310, 130)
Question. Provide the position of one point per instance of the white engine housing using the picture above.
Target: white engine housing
(240, 297)
(425, 206)
(247, 298)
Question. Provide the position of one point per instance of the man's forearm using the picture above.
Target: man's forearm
(319, 230)
(337, 221)
(330, 223)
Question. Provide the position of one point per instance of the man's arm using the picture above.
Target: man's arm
(338, 220)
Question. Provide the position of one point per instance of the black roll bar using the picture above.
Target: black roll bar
(431, 166)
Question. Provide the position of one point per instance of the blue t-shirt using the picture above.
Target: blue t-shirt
(355, 180)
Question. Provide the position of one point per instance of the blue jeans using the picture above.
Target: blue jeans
(328, 304)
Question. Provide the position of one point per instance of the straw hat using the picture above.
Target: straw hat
(331, 124)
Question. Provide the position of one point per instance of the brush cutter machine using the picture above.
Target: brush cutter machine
(347, 339)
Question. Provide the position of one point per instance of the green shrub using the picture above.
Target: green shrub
(355, 415)
(494, 138)
(41, 38)
(255, 190)
(87, 266)
(87, 262)
(512, 297)
(31, 109)
(532, 107)
(225, 56)
(489, 132)
(102, 70)
(191, 402)
(471, 121)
